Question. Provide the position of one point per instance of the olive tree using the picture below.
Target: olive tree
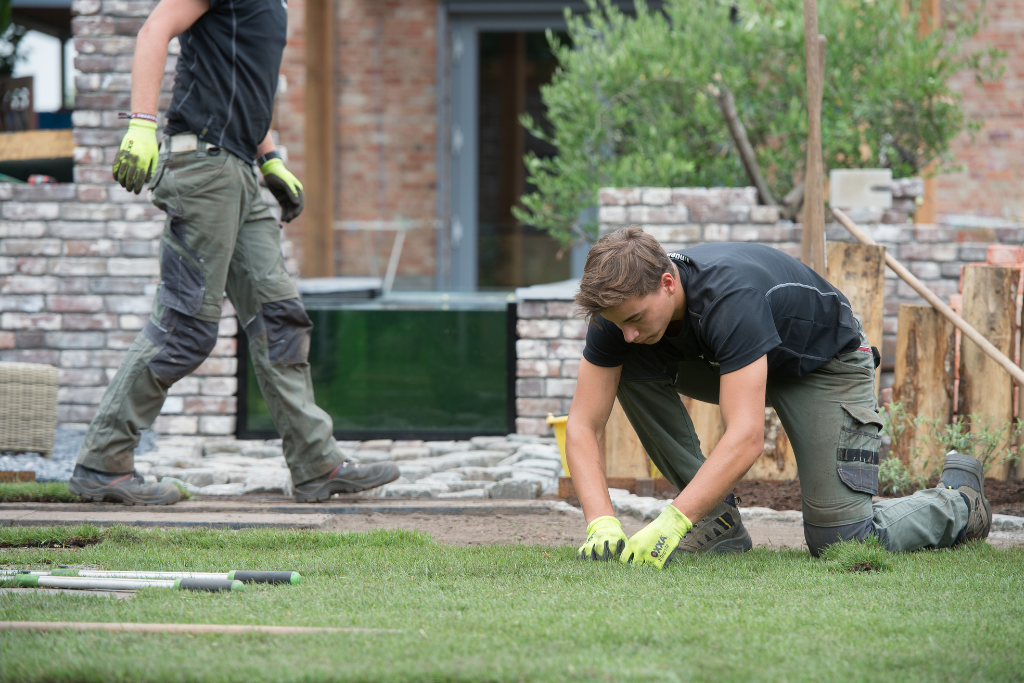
(634, 99)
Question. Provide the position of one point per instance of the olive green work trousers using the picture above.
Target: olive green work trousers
(219, 236)
(830, 418)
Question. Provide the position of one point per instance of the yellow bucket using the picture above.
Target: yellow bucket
(558, 424)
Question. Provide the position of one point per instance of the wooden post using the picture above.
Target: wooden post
(812, 247)
(318, 183)
(989, 305)
(624, 455)
(777, 462)
(858, 271)
(924, 379)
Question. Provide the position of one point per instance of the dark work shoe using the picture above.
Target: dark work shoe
(130, 489)
(348, 477)
(722, 531)
(966, 476)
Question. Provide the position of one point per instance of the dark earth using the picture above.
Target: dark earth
(1005, 496)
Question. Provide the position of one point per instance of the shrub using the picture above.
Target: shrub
(633, 103)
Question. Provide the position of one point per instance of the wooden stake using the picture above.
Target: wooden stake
(923, 379)
(318, 183)
(739, 136)
(990, 304)
(968, 331)
(812, 246)
(858, 271)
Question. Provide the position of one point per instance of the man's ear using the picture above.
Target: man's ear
(668, 283)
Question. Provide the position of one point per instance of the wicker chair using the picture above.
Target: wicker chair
(28, 407)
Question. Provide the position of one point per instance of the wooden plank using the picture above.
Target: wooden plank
(318, 183)
(812, 247)
(923, 379)
(989, 305)
(37, 144)
(858, 271)
(624, 455)
(777, 462)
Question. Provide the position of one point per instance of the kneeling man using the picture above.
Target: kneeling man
(742, 326)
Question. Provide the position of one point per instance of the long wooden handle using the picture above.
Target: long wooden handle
(934, 300)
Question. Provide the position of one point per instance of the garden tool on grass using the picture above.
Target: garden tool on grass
(91, 583)
(233, 575)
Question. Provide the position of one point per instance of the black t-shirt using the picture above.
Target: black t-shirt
(744, 301)
(227, 74)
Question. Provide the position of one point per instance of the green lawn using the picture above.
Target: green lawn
(510, 613)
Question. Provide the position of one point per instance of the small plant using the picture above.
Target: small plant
(991, 445)
(896, 479)
(868, 555)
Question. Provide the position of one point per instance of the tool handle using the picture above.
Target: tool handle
(212, 585)
(264, 577)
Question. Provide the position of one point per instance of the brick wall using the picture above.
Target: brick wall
(551, 338)
(79, 262)
(993, 159)
(386, 129)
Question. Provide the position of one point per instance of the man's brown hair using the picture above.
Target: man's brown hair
(622, 265)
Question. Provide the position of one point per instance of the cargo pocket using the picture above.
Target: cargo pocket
(857, 456)
(182, 285)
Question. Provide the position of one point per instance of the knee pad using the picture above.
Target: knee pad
(287, 328)
(184, 343)
(820, 537)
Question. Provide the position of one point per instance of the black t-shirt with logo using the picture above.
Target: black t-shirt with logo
(744, 301)
(227, 74)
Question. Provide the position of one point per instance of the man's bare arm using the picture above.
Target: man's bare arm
(591, 406)
(170, 18)
(741, 398)
(266, 146)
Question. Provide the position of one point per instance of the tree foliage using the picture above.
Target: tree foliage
(633, 102)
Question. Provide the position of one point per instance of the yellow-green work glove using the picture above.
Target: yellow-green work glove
(656, 542)
(136, 159)
(285, 187)
(605, 540)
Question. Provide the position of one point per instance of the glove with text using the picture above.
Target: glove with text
(605, 540)
(656, 542)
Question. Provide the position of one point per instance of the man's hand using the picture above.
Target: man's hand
(605, 540)
(655, 543)
(135, 161)
(286, 188)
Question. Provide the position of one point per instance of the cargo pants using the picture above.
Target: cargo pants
(830, 418)
(219, 236)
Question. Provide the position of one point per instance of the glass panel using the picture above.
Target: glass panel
(513, 67)
(397, 370)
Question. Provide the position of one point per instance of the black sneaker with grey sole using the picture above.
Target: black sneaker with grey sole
(965, 475)
(722, 531)
(130, 489)
(348, 477)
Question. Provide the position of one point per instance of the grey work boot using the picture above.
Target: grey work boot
(130, 489)
(966, 476)
(348, 477)
(722, 531)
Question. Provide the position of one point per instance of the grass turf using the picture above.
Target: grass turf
(527, 613)
(37, 492)
(49, 492)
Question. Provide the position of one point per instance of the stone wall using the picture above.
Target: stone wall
(551, 337)
(79, 263)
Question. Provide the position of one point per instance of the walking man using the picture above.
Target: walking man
(742, 326)
(219, 236)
